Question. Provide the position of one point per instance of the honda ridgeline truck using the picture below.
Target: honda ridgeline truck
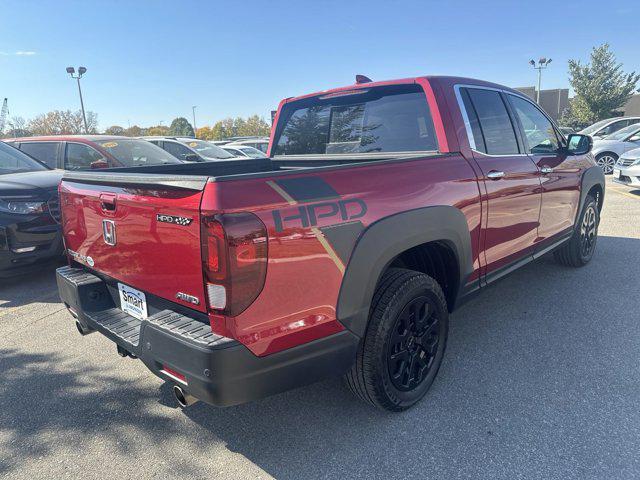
(382, 206)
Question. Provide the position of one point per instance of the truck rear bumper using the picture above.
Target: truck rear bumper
(212, 368)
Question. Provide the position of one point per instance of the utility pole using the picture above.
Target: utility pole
(3, 115)
(542, 63)
(193, 111)
(81, 71)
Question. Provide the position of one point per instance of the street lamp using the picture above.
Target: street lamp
(193, 111)
(81, 71)
(542, 63)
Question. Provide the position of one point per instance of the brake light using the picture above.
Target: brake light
(234, 253)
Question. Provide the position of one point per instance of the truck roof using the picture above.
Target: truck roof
(442, 79)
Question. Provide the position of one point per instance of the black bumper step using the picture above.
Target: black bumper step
(87, 294)
(120, 324)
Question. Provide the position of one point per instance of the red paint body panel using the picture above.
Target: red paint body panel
(160, 258)
(303, 282)
(298, 302)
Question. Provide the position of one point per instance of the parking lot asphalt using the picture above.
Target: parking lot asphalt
(541, 380)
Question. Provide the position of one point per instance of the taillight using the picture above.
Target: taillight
(234, 258)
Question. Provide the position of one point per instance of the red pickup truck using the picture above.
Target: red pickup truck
(382, 206)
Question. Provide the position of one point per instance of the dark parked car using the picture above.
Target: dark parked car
(85, 152)
(29, 212)
(190, 149)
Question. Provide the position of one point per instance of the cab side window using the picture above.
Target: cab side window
(539, 134)
(493, 132)
(177, 150)
(80, 156)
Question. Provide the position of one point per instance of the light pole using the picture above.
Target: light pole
(193, 111)
(542, 63)
(81, 71)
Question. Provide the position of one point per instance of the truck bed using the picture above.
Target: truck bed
(195, 175)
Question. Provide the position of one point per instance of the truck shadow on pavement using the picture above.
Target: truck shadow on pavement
(540, 379)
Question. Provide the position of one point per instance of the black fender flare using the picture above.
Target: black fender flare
(383, 241)
(591, 177)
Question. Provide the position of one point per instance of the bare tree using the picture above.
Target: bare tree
(17, 127)
(62, 122)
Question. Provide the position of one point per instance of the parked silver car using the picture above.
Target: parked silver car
(627, 169)
(608, 150)
(190, 149)
(243, 151)
(608, 126)
(259, 143)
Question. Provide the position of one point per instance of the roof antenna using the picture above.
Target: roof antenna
(363, 79)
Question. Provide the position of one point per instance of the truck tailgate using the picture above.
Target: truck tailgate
(143, 231)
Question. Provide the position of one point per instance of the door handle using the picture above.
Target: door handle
(495, 175)
(545, 170)
(108, 201)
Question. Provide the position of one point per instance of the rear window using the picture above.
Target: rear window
(492, 129)
(379, 119)
(46, 152)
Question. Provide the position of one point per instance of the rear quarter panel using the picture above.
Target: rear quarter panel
(306, 262)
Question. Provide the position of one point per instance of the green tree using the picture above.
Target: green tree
(114, 130)
(601, 86)
(204, 133)
(254, 126)
(158, 131)
(180, 127)
(135, 131)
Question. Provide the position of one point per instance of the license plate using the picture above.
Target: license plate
(132, 301)
(616, 173)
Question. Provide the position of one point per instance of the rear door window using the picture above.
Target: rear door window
(80, 156)
(46, 152)
(379, 119)
(613, 127)
(177, 150)
(494, 133)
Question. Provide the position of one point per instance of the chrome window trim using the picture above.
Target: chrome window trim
(467, 123)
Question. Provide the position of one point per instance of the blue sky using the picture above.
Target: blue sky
(151, 61)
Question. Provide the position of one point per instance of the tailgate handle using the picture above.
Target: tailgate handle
(108, 201)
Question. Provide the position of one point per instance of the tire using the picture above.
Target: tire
(399, 357)
(606, 161)
(579, 250)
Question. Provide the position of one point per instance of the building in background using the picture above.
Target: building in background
(554, 101)
(632, 108)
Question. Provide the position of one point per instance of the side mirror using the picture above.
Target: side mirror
(191, 157)
(99, 164)
(578, 144)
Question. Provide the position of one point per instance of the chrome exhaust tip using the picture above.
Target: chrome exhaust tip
(182, 397)
(83, 330)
